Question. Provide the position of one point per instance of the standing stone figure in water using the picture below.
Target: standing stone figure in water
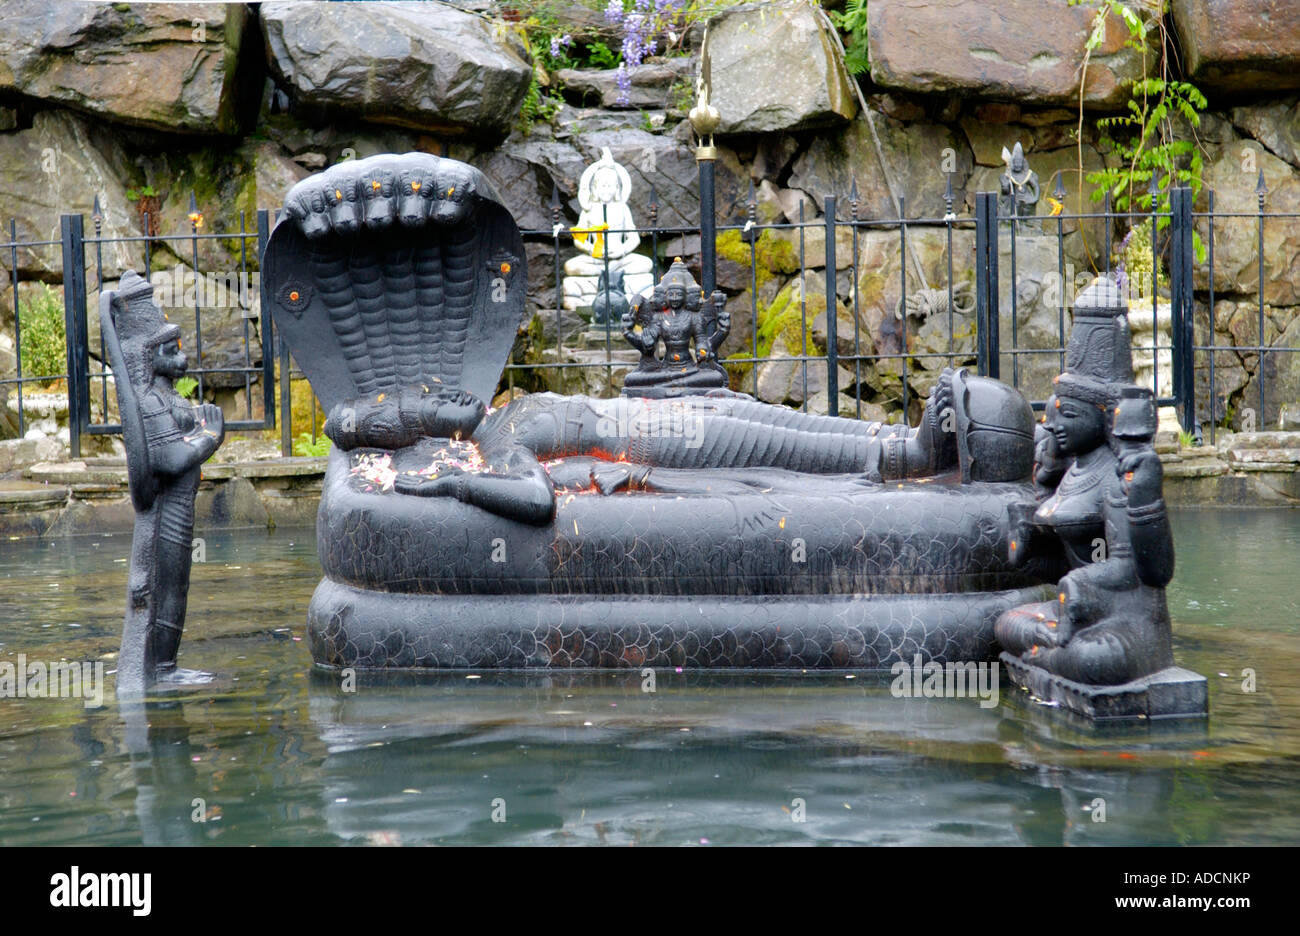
(167, 441)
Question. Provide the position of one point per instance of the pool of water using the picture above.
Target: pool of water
(282, 755)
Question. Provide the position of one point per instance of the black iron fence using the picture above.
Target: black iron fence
(192, 290)
(964, 305)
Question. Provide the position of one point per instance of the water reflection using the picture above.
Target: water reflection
(284, 755)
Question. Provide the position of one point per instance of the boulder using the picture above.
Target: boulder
(1232, 173)
(1276, 124)
(1015, 50)
(58, 166)
(1279, 372)
(1240, 45)
(428, 66)
(652, 84)
(918, 156)
(776, 68)
(524, 171)
(782, 380)
(572, 122)
(225, 180)
(165, 66)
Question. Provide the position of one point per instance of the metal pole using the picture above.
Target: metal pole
(705, 156)
(74, 314)
(981, 285)
(266, 324)
(704, 118)
(832, 348)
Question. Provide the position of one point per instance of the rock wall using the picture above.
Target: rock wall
(142, 104)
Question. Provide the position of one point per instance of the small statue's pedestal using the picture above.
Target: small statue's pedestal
(669, 393)
(580, 291)
(1173, 692)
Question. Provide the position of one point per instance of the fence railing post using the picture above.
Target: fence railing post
(72, 232)
(986, 283)
(832, 314)
(1181, 261)
(266, 325)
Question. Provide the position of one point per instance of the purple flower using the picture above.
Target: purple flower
(560, 43)
(614, 11)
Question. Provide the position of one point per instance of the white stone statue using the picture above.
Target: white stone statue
(605, 232)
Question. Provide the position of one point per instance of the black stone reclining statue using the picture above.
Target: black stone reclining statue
(705, 529)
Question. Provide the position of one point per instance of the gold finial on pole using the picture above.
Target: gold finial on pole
(704, 117)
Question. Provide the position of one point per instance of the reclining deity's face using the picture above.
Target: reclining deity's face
(1079, 426)
(458, 412)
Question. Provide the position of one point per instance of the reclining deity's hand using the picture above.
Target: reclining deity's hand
(449, 482)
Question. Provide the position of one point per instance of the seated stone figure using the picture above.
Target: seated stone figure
(704, 529)
(1101, 520)
(606, 234)
(674, 314)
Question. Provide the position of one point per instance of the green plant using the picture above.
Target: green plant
(538, 105)
(303, 445)
(853, 23)
(682, 96)
(600, 55)
(186, 387)
(42, 342)
(1144, 137)
(146, 191)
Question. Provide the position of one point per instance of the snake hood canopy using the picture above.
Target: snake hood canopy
(397, 271)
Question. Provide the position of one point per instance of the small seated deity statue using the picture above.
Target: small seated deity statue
(610, 302)
(676, 315)
(1019, 186)
(606, 234)
(1101, 519)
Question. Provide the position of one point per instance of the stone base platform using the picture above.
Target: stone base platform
(1172, 693)
(363, 629)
